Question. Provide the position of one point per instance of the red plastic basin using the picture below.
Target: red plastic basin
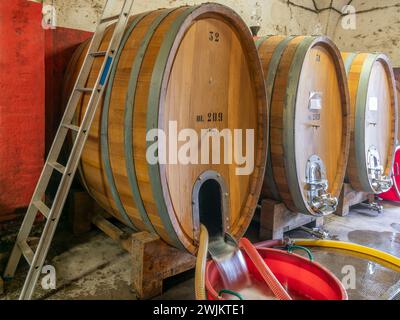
(305, 280)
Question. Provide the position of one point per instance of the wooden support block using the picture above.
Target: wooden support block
(80, 208)
(115, 233)
(348, 198)
(153, 261)
(276, 219)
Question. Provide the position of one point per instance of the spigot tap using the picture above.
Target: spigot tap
(322, 202)
(379, 181)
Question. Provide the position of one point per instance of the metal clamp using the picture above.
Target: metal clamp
(321, 202)
(379, 181)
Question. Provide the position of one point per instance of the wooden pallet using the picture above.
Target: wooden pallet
(349, 198)
(276, 219)
(153, 260)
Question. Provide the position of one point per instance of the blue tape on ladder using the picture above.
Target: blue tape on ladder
(105, 72)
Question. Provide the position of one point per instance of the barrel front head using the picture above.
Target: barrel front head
(374, 121)
(309, 126)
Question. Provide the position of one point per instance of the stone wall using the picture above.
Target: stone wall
(377, 28)
(278, 16)
(377, 22)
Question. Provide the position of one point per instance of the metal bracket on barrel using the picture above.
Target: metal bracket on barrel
(321, 202)
(379, 181)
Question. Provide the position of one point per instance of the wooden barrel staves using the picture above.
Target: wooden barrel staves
(373, 121)
(193, 68)
(309, 123)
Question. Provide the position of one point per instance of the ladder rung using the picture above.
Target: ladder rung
(108, 19)
(57, 166)
(98, 54)
(26, 251)
(84, 89)
(71, 127)
(45, 210)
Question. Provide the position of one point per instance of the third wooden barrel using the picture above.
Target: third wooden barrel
(309, 122)
(373, 100)
(188, 68)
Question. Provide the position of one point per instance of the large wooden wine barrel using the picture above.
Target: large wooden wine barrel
(373, 121)
(309, 123)
(197, 66)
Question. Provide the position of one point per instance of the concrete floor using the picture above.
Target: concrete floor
(94, 267)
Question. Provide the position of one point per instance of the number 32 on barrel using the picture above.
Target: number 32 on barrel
(214, 36)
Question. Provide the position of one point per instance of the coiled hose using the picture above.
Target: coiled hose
(201, 262)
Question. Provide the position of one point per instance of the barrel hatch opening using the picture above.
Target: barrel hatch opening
(209, 200)
(210, 207)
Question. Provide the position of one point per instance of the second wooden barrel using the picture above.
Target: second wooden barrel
(309, 123)
(193, 68)
(373, 121)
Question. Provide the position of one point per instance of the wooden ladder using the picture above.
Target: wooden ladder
(53, 212)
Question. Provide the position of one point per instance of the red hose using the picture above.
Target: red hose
(270, 244)
(264, 270)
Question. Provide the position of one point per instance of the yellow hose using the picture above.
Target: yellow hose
(201, 262)
(383, 258)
